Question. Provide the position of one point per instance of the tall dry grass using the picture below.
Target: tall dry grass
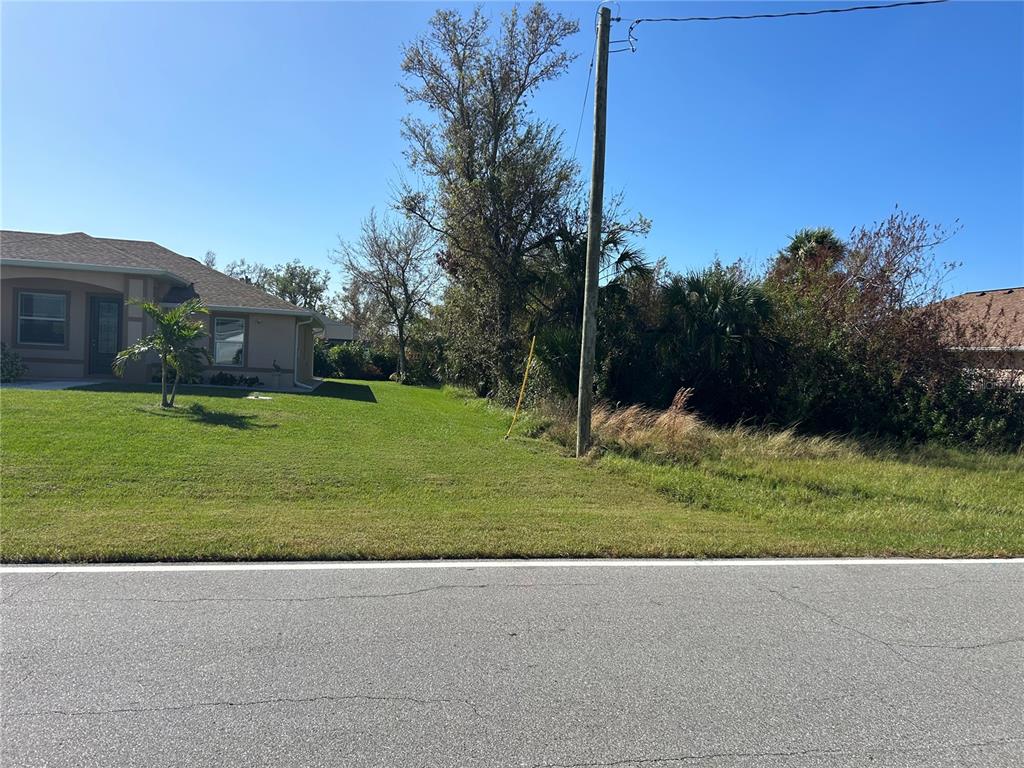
(677, 434)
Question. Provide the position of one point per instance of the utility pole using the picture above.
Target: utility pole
(589, 344)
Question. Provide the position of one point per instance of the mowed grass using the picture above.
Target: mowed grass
(378, 470)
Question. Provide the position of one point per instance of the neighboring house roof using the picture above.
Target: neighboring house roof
(998, 315)
(189, 277)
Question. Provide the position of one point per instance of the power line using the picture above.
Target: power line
(586, 93)
(631, 38)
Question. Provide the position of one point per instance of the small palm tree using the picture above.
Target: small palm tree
(173, 341)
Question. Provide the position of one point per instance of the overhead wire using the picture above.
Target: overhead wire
(631, 38)
(586, 94)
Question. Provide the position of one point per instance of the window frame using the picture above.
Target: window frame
(18, 317)
(244, 319)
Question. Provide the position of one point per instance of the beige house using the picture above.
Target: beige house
(994, 323)
(65, 309)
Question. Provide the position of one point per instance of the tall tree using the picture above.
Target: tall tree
(301, 285)
(294, 281)
(252, 273)
(395, 261)
(496, 178)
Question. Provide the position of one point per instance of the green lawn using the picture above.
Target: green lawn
(378, 470)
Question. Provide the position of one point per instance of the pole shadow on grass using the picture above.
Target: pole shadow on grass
(200, 414)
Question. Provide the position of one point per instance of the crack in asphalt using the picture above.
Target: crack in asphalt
(6, 599)
(320, 598)
(836, 622)
(892, 645)
(249, 703)
(738, 755)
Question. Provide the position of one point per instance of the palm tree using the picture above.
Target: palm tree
(172, 340)
(556, 288)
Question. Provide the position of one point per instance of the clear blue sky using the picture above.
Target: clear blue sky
(263, 131)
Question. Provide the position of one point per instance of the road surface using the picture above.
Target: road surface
(721, 664)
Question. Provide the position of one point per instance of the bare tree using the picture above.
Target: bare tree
(357, 305)
(395, 261)
(210, 259)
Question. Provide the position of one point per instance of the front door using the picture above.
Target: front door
(104, 333)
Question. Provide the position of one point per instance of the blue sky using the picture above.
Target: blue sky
(265, 130)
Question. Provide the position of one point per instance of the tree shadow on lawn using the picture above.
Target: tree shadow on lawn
(200, 414)
(346, 391)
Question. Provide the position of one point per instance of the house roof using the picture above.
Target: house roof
(188, 276)
(998, 314)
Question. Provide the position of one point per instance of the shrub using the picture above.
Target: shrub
(870, 349)
(189, 378)
(225, 379)
(11, 367)
(354, 360)
(321, 359)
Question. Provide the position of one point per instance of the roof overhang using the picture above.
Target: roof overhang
(297, 312)
(110, 269)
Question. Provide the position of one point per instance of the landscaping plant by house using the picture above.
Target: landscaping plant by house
(173, 340)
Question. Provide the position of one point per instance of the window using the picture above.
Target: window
(42, 318)
(228, 341)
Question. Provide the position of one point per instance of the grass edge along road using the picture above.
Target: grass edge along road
(379, 470)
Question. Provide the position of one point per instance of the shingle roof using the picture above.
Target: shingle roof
(215, 288)
(999, 314)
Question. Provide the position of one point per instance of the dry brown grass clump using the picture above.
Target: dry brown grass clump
(677, 434)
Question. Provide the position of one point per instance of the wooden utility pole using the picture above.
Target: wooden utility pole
(589, 344)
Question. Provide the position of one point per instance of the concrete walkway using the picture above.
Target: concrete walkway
(53, 384)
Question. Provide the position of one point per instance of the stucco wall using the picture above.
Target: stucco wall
(72, 360)
(269, 338)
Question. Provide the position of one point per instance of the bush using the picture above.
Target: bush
(321, 360)
(354, 360)
(11, 367)
(225, 379)
(870, 349)
(192, 378)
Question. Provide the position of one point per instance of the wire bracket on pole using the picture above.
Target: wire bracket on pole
(522, 389)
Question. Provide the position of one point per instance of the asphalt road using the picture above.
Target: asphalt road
(710, 665)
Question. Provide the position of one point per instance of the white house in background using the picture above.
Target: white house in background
(336, 331)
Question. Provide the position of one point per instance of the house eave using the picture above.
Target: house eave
(297, 312)
(71, 265)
